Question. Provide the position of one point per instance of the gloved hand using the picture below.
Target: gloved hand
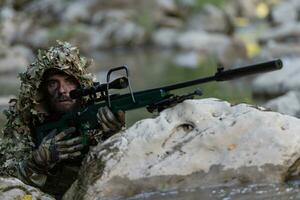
(109, 122)
(53, 148)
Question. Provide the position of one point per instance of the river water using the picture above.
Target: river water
(254, 191)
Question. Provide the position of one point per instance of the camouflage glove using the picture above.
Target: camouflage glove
(54, 148)
(109, 122)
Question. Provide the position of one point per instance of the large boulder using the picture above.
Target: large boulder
(12, 188)
(196, 143)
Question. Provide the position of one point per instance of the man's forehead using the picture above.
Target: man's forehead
(59, 76)
(55, 73)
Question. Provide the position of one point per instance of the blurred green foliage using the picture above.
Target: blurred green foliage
(146, 21)
(64, 33)
(227, 90)
(201, 3)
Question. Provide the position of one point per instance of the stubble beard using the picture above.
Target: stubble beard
(63, 104)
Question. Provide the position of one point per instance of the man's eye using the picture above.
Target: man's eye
(71, 81)
(52, 84)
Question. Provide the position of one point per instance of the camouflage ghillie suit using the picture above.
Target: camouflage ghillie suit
(28, 110)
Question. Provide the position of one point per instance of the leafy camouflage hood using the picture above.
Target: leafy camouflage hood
(64, 57)
(16, 142)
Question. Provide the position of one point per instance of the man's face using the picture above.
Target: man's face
(58, 87)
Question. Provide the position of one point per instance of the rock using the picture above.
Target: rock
(12, 188)
(89, 38)
(15, 59)
(188, 59)
(18, 4)
(8, 27)
(113, 34)
(187, 3)
(202, 41)
(129, 34)
(165, 37)
(78, 11)
(169, 14)
(289, 32)
(243, 8)
(104, 16)
(50, 9)
(168, 6)
(170, 22)
(287, 104)
(211, 19)
(38, 38)
(22, 29)
(224, 48)
(232, 53)
(286, 12)
(110, 30)
(280, 49)
(198, 143)
(279, 82)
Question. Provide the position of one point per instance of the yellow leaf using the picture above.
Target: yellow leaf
(252, 49)
(27, 197)
(262, 10)
(241, 21)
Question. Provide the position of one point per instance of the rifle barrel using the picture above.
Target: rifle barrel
(231, 74)
(249, 70)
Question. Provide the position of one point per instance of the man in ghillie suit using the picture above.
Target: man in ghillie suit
(44, 97)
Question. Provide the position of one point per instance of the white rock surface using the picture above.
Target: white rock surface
(12, 188)
(197, 143)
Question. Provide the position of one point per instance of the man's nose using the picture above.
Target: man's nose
(62, 89)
